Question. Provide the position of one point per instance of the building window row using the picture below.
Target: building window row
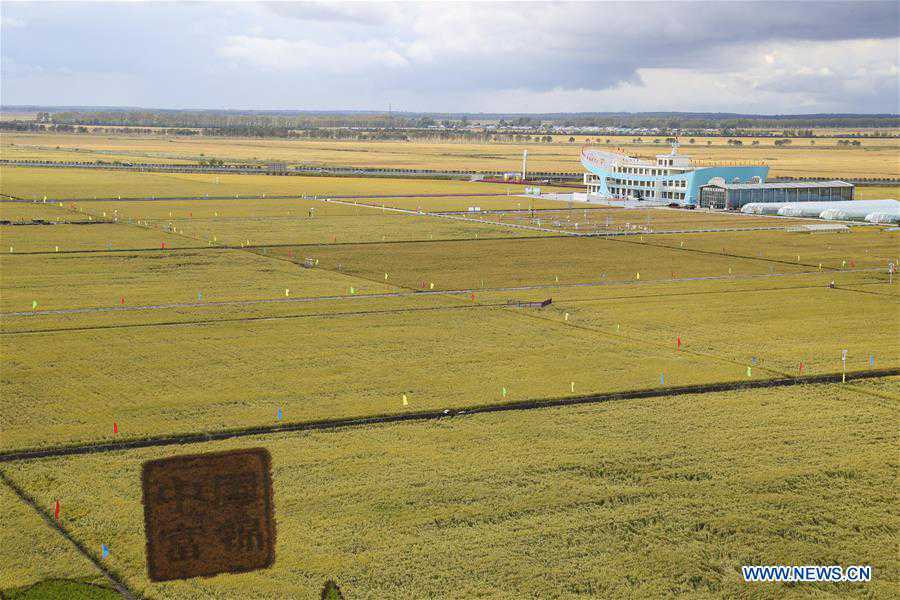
(640, 171)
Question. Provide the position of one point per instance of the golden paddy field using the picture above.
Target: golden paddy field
(226, 324)
(655, 498)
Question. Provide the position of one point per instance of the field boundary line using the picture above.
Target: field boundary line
(114, 578)
(341, 423)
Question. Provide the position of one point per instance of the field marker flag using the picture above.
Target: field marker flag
(57, 248)
(678, 342)
(10, 249)
(199, 295)
(56, 511)
(753, 360)
(637, 276)
(280, 414)
(34, 305)
(662, 379)
(801, 367)
(104, 551)
(385, 276)
(122, 300)
(871, 359)
(503, 392)
(405, 400)
(287, 292)
(352, 291)
(844, 366)
(567, 316)
(432, 285)
(572, 387)
(749, 372)
(115, 427)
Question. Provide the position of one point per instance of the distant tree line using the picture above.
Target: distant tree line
(791, 125)
(406, 126)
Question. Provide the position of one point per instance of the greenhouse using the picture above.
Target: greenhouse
(732, 196)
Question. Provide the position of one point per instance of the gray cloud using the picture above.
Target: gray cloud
(456, 56)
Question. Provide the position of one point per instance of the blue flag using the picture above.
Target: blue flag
(104, 551)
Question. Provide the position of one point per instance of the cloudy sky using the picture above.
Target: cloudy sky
(749, 57)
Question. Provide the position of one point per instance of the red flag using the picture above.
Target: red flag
(801, 368)
(115, 427)
(56, 512)
(679, 342)
(122, 300)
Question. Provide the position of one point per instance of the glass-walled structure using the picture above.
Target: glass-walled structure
(732, 196)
